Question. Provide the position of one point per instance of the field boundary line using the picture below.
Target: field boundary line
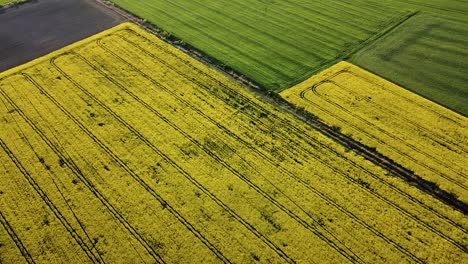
(387, 29)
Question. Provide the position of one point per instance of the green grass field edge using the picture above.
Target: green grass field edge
(415, 92)
(12, 3)
(350, 60)
(347, 55)
(180, 44)
(238, 75)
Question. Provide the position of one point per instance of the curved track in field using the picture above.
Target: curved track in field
(439, 138)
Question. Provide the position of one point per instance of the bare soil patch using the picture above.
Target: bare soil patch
(36, 28)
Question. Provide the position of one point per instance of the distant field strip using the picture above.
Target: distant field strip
(453, 9)
(427, 55)
(121, 148)
(5, 2)
(37, 28)
(416, 133)
(275, 43)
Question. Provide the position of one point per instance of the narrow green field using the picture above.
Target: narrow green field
(275, 43)
(426, 54)
(4, 2)
(453, 9)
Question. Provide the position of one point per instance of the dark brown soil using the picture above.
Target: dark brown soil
(38, 27)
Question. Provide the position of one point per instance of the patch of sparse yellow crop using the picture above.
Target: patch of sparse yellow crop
(128, 150)
(424, 137)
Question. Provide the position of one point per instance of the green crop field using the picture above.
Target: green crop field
(278, 44)
(4, 2)
(454, 9)
(427, 55)
(275, 43)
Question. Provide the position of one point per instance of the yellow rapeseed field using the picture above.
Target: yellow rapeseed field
(421, 135)
(123, 149)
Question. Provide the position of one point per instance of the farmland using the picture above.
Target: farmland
(275, 43)
(280, 43)
(5, 2)
(417, 133)
(123, 148)
(39, 27)
(452, 9)
(427, 55)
